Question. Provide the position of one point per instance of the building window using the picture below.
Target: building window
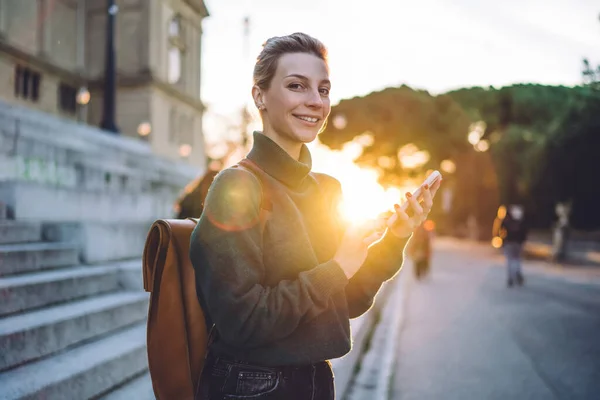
(174, 65)
(35, 86)
(67, 98)
(176, 50)
(27, 83)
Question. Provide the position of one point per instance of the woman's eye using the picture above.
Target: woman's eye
(324, 91)
(295, 86)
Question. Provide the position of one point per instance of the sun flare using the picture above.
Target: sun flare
(364, 198)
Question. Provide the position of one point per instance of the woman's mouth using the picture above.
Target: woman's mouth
(307, 119)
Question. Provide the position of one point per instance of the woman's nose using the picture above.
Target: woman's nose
(314, 99)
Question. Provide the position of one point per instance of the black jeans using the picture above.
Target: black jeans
(229, 379)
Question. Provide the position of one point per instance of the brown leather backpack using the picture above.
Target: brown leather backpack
(177, 335)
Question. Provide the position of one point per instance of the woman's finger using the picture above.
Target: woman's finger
(427, 199)
(400, 213)
(414, 204)
(417, 220)
(433, 189)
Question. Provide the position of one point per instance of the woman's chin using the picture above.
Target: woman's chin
(306, 135)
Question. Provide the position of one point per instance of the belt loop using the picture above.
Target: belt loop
(313, 368)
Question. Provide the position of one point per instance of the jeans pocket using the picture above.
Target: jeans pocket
(247, 382)
(255, 383)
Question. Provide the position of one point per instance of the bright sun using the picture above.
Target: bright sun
(364, 197)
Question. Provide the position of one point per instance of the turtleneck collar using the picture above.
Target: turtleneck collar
(278, 163)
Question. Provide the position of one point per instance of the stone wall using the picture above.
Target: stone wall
(84, 184)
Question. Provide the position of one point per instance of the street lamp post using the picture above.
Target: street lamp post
(109, 106)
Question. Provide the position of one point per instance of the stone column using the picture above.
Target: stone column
(44, 37)
(3, 12)
(146, 38)
(191, 62)
(197, 61)
(81, 35)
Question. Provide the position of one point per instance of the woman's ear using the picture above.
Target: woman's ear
(257, 95)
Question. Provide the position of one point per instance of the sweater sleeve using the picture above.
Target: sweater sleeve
(226, 252)
(384, 260)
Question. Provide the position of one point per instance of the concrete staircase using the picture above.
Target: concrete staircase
(68, 331)
(72, 312)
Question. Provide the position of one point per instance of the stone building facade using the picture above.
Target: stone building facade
(53, 50)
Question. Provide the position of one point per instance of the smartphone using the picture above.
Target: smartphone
(417, 194)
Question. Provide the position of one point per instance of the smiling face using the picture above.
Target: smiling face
(296, 104)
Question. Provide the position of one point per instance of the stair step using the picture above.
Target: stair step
(38, 333)
(25, 292)
(24, 202)
(139, 389)
(19, 231)
(82, 372)
(28, 257)
(132, 277)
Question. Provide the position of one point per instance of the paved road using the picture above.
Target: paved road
(466, 336)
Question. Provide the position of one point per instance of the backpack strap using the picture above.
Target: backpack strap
(250, 166)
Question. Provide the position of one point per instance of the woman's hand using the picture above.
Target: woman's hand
(400, 224)
(353, 249)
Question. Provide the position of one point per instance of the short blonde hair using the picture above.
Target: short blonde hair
(275, 47)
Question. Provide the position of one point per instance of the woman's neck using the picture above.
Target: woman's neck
(291, 147)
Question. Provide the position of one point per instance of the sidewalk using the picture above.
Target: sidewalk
(539, 250)
(588, 272)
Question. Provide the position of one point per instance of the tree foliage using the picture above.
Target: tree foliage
(544, 143)
(396, 117)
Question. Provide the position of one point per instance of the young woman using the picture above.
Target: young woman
(277, 272)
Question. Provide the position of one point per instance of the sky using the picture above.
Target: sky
(436, 45)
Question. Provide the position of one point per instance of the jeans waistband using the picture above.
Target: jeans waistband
(225, 361)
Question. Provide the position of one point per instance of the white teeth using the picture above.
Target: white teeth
(308, 119)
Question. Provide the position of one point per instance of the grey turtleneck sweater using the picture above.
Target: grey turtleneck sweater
(266, 276)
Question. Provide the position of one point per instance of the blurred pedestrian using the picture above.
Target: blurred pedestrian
(277, 272)
(419, 249)
(191, 203)
(513, 231)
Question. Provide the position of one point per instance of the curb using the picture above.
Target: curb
(373, 379)
(344, 368)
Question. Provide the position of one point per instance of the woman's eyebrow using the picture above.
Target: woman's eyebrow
(326, 81)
